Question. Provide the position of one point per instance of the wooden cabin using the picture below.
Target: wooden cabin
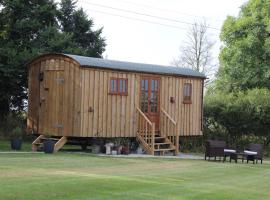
(73, 96)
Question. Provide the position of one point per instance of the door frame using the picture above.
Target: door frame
(152, 77)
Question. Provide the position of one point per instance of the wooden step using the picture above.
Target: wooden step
(59, 143)
(54, 139)
(38, 143)
(171, 149)
(161, 143)
(159, 137)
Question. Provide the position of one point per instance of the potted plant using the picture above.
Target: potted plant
(16, 138)
(48, 143)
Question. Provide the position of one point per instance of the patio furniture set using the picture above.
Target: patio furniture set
(215, 148)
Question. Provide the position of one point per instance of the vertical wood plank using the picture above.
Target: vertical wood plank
(100, 103)
(114, 110)
(90, 129)
(132, 128)
(82, 71)
(105, 104)
(96, 96)
(118, 112)
(128, 106)
(66, 128)
(109, 108)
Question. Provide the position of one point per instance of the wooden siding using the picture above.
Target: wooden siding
(53, 104)
(104, 114)
(115, 115)
(86, 109)
(187, 115)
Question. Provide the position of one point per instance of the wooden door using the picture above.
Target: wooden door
(149, 99)
(51, 102)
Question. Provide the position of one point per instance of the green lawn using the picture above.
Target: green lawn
(83, 176)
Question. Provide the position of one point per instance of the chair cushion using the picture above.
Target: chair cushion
(251, 153)
(229, 151)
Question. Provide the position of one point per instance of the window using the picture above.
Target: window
(118, 86)
(187, 92)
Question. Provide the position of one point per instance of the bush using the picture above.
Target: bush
(238, 117)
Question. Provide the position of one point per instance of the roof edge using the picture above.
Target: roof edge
(136, 71)
(70, 57)
(51, 54)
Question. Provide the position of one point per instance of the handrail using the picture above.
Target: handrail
(170, 118)
(149, 122)
(146, 132)
(170, 129)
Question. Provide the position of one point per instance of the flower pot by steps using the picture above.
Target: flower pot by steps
(48, 146)
(16, 144)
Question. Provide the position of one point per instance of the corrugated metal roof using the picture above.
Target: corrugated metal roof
(138, 67)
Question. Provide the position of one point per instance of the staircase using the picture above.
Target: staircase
(163, 145)
(37, 145)
(157, 142)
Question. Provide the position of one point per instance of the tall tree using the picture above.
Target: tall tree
(196, 50)
(29, 28)
(76, 22)
(245, 56)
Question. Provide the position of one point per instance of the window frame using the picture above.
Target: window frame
(187, 99)
(118, 92)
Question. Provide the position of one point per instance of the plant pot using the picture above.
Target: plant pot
(48, 146)
(125, 150)
(16, 144)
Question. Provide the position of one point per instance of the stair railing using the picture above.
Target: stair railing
(146, 132)
(169, 129)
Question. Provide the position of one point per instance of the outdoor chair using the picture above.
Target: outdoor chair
(214, 148)
(254, 152)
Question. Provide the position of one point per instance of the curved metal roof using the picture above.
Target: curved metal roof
(137, 67)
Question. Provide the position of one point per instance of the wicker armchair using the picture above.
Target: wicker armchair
(254, 148)
(214, 148)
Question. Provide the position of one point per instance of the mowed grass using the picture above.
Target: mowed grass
(65, 176)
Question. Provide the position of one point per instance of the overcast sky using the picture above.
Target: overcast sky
(141, 41)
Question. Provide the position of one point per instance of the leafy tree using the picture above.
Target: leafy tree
(245, 56)
(76, 22)
(29, 28)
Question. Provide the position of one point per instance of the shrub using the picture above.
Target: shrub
(237, 116)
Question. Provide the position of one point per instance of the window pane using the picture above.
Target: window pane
(144, 101)
(120, 86)
(153, 106)
(146, 85)
(142, 85)
(187, 91)
(153, 85)
(113, 85)
(124, 86)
